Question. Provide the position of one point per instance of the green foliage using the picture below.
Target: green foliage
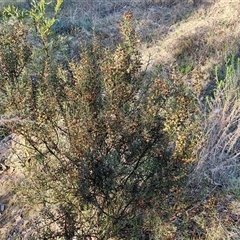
(12, 11)
(98, 147)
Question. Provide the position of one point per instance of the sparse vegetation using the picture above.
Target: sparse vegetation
(105, 145)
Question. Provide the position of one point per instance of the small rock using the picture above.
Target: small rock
(2, 207)
(19, 219)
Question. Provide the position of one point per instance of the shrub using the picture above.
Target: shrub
(97, 145)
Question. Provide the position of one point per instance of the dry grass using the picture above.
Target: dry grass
(18, 217)
(204, 38)
(219, 156)
(200, 35)
(218, 165)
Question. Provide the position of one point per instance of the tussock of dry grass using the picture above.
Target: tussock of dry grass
(219, 156)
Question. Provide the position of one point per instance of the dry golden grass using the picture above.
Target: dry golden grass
(201, 35)
(205, 38)
(218, 158)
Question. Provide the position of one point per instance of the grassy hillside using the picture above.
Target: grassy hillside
(130, 134)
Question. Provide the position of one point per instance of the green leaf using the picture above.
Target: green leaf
(58, 6)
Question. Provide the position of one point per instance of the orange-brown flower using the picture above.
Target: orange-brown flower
(128, 15)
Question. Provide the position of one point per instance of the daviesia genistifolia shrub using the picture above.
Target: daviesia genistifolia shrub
(96, 149)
